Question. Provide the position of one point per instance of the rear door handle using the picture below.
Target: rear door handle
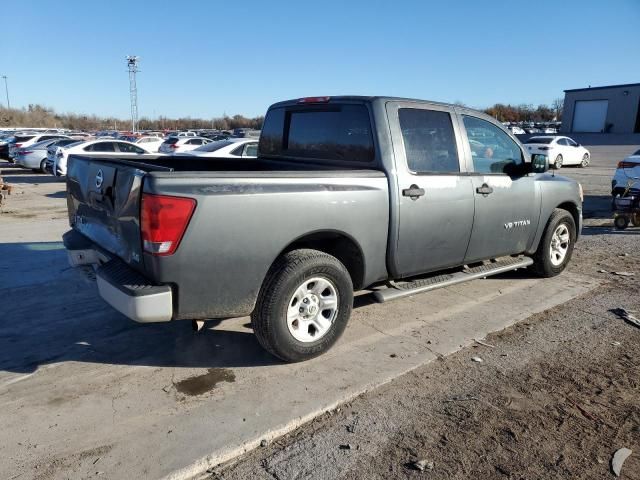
(414, 192)
(484, 189)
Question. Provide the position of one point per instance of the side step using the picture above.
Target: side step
(404, 289)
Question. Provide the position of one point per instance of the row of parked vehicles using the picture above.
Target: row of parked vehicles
(48, 152)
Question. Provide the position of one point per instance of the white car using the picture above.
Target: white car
(22, 141)
(626, 180)
(230, 148)
(152, 144)
(517, 130)
(560, 150)
(182, 144)
(106, 148)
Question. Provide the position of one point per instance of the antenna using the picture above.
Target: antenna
(132, 63)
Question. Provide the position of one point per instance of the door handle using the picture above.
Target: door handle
(414, 192)
(484, 189)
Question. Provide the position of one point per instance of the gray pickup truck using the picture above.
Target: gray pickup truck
(398, 196)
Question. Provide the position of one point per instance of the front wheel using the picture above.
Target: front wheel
(585, 160)
(303, 306)
(556, 245)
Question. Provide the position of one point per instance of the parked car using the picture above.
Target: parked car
(35, 156)
(53, 148)
(346, 193)
(517, 130)
(103, 148)
(151, 144)
(230, 148)
(560, 150)
(182, 134)
(626, 179)
(4, 145)
(26, 140)
(182, 144)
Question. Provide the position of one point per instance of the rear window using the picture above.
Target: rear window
(23, 138)
(171, 141)
(540, 140)
(332, 132)
(213, 146)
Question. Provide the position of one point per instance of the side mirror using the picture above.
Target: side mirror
(539, 163)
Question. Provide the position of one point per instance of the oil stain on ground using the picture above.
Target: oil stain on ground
(203, 383)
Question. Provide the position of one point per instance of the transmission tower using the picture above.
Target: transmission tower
(132, 63)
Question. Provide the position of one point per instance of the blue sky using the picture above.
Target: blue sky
(202, 59)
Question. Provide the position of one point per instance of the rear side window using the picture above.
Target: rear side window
(429, 141)
(23, 138)
(127, 148)
(171, 140)
(101, 147)
(213, 146)
(332, 132)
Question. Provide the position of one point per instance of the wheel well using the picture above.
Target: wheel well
(338, 245)
(572, 209)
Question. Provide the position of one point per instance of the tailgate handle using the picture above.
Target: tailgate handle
(414, 192)
(484, 189)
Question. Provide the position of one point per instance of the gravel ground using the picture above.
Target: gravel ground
(554, 397)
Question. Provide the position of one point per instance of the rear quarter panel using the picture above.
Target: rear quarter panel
(244, 220)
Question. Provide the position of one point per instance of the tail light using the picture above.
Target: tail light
(173, 145)
(163, 221)
(17, 145)
(24, 152)
(314, 100)
(627, 164)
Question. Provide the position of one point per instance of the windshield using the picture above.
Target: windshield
(213, 146)
(545, 140)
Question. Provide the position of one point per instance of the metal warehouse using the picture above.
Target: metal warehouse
(609, 109)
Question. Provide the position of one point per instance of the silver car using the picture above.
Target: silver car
(34, 156)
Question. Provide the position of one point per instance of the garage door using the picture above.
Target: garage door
(590, 115)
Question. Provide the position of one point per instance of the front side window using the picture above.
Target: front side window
(429, 141)
(492, 150)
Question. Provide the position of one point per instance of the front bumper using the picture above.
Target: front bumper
(119, 285)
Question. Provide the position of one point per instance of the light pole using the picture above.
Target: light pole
(132, 63)
(6, 90)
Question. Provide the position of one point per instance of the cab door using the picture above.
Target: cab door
(507, 207)
(433, 198)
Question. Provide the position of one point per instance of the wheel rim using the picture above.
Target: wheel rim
(560, 241)
(312, 309)
(558, 163)
(585, 160)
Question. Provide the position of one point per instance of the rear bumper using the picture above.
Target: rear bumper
(120, 286)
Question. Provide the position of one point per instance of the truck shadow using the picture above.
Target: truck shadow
(50, 314)
(597, 206)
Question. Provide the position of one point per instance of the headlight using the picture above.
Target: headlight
(581, 193)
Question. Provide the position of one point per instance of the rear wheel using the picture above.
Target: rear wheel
(556, 245)
(303, 306)
(557, 164)
(585, 160)
(43, 166)
(621, 222)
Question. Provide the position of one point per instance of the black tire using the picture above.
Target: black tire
(621, 222)
(542, 264)
(557, 164)
(43, 166)
(269, 318)
(635, 219)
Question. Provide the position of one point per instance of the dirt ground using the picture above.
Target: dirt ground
(554, 397)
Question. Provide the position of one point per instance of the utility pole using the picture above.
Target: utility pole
(6, 90)
(132, 63)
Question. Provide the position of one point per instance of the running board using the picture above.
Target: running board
(404, 289)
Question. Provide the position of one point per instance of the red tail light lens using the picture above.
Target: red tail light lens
(24, 152)
(17, 145)
(625, 164)
(314, 100)
(174, 145)
(163, 221)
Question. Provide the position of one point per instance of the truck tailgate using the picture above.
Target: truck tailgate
(103, 199)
